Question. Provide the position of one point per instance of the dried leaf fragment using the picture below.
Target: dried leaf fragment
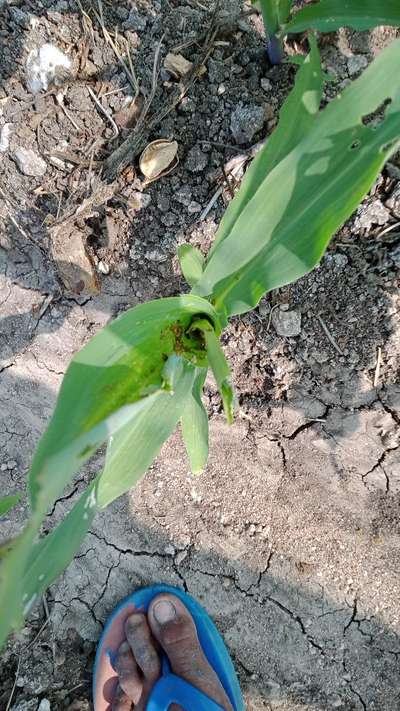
(158, 159)
(177, 65)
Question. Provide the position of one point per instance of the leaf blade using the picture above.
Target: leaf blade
(194, 424)
(8, 502)
(191, 261)
(295, 119)
(104, 386)
(132, 450)
(309, 194)
(32, 565)
(330, 15)
(218, 365)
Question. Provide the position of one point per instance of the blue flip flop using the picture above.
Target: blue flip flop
(169, 688)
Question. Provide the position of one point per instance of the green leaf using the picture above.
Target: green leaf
(284, 7)
(286, 226)
(106, 384)
(191, 261)
(52, 554)
(329, 15)
(132, 450)
(195, 425)
(33, 564)
(296, 118)
(8, 502)
(218, 365)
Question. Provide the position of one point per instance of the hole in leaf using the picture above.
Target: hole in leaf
(376, 117)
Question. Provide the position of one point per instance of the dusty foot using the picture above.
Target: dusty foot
(168, 626)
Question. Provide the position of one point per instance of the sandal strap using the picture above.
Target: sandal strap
(171, 689)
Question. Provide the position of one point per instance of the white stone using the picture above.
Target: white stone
(103, 268)
(5, 133)
(286, 323)
(30, 163)
(265, 84)
(42, 65)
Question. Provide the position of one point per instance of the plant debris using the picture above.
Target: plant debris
(177, 65)
(158, 159)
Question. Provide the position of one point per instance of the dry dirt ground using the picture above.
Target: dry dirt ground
(290, 538)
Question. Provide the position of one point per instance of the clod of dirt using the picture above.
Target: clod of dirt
(246, 121)
(356, 64)
(158, 158)
(177, 65)
(30, 705)
(42, 66)
(135, 22)
(370, 214)
(44, 705)
(73, 263)
(30, 163)
(286, 323)
(394, 202)
(196, 160)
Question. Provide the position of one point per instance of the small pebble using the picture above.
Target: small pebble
(194, 207)
(246, 121)
(103, 268)
(169, 550)
(44, 705)
(356, 64)
(30, 163)
(265, 84)
(286, 323)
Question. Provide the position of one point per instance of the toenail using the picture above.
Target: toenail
(124, 648)
(164, 612)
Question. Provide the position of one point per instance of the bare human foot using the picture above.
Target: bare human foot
(168, 626)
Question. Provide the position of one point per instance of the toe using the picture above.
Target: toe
(143, 646)
(121, 701)
(174, 628)
(128, 675)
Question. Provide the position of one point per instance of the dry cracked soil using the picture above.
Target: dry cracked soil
(290, 537)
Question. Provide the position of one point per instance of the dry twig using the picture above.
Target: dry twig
(329, 335)
(104, 111)
(378, 367)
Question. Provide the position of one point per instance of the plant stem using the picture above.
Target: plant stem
(274, 49)
(270, 13)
